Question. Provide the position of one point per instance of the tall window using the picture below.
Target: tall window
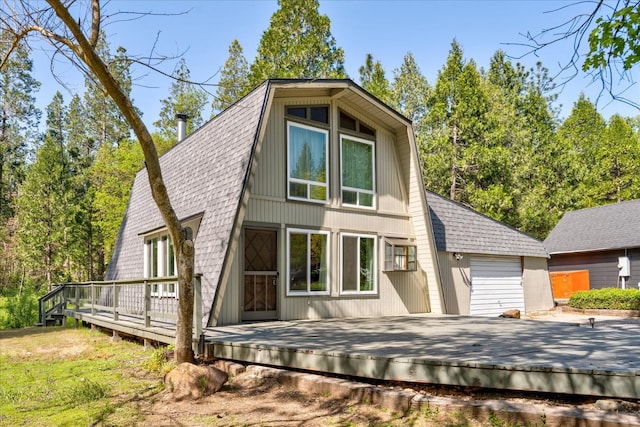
(307, 262)
(357, 158)
(307, 162)
(161, 262)
(359, 269)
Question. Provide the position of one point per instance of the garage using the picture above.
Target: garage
(496, 285)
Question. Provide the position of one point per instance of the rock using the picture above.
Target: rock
(512, 314)
(608, 405)
(189, 381)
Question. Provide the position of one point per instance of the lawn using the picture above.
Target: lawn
(71, 377)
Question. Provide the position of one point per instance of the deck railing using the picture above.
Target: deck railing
(148, 302)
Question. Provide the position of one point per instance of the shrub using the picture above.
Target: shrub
(607, 298)
(21, 311)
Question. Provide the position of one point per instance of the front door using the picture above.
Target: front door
(260, 294)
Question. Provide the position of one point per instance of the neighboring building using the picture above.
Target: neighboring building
(305, 200)
(604, 240)
(487, 267)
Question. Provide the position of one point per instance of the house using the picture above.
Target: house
(487, 267)
(305, 201)
(604, 241)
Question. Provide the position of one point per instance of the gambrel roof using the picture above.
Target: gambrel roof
(458, 228)
(208, 175)
(204, 174)
(615, 226)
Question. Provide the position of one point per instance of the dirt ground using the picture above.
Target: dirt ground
(250, 401)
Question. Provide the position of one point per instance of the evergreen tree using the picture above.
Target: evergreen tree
(184, 98)
(18, 125)
(233, 83)
(410, 91)
(614, 175)
(19, 118)
(373, 79)
(457, 122)
(297, 44)
(42, 215)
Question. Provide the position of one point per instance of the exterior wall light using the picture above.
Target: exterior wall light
(458, 256)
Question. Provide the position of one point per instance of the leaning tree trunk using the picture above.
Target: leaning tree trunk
(84, 48)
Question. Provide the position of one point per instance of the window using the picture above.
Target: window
(318, 114)
(161, 262)
(357, 157)
(359, 271)
(307, 163)
(307, 262)
(399, 255)
(349, 123)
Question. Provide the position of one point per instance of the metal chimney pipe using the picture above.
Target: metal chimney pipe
(182, 126)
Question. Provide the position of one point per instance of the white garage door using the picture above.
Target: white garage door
(496, 286)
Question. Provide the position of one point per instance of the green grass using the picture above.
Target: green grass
(70, 377)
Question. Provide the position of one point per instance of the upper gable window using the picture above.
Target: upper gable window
(161, 262)
(350, 123)
(307, 150)
(318, 114)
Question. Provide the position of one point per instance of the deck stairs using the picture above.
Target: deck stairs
(51, 307)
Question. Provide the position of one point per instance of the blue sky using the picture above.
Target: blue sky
(387, 29)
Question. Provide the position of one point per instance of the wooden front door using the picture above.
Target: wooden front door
(260, 294)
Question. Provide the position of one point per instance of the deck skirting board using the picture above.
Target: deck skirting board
(621, 384)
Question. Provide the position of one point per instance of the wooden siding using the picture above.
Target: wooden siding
(602, 266)
(398, 292)
(538, 294)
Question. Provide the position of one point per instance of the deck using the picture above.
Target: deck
(453, 350)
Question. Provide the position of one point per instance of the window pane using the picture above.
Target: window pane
(388, 257)
(298, 190)
(307, 154)
(367, 130)
(171, 258)
(297, 111)
(318, 192)
(411, 258)
(154, 258)
(357, 164)
(366, 199)
(318, 262)
(349, 263)
(297, 262)
(367, 264)
(320, 114)
(347, 122)
(349, 197)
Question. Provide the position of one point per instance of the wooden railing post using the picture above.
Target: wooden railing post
(197, 305)
(115, 302)
(93, 299)
(77, 291)
(147, 304)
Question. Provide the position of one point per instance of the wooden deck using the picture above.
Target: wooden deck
(453, 350)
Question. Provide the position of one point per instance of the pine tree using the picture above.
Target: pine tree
(297, 44)
(42, 215)
(373, 79)
(614, 175)
(184, 98)
(233, 83)
(19, 118)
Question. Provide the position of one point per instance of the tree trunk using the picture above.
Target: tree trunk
(85, 51)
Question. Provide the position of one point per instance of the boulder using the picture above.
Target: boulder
(189, 381)
(512, 314)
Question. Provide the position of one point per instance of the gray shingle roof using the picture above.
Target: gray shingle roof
(615, 226)
(457, 228)
(205, 173)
